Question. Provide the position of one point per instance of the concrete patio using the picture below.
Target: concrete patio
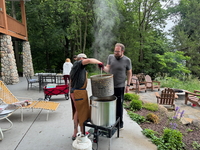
(35, 133)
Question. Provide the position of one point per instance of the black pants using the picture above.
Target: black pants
(119, 93)
(66, 78)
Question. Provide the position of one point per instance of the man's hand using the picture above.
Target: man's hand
(100, 65)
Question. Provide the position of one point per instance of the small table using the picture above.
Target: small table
(7, 111)
(45, 78)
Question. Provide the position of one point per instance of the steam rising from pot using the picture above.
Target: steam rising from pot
(107, 20)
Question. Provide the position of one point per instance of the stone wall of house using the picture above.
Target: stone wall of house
(8, 63)
(27, 59)
(9, 71)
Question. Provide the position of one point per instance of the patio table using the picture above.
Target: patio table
(45, 78)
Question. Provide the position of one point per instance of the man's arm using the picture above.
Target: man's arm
(107, 68)
(129, 75)
(90, 61)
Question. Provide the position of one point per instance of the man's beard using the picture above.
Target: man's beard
(118, 57)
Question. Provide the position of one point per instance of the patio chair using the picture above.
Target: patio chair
(152, 84)
(30, 80)
(167, 97)
(136, 85)
(5, 112)
(7, 97)
(192, 97)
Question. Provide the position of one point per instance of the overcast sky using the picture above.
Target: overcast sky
(169, 21)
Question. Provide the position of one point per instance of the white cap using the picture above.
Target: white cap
(82, 55)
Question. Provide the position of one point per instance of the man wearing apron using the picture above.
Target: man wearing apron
(78, 93)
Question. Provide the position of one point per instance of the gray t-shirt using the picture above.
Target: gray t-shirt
(119, 69)
(78, 75)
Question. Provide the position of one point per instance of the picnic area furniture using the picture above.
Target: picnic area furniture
(30, 80)
(192, 97)
(5, 112)
(152, 84)
(46, 78)
(167, 97)
(136, 85)
(6, 97)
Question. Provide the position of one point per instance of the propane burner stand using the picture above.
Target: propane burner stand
(102, 130)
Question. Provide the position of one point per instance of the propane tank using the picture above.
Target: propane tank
(82, 142)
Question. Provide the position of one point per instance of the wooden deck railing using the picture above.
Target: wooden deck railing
(2, 24)
(15, 28)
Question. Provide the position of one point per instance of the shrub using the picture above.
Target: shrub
(131, 96)
(150, 106)
(128, 96)
(136, 104)
(195, 145)
(137, 118)
(149, 133)
(152, 118)
(126, 106)
(136, 97)
(172, 139)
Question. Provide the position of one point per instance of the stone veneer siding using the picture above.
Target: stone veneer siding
(27, 59)
(8, 63)
(9, 71)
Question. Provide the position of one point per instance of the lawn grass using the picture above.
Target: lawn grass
(189, 84)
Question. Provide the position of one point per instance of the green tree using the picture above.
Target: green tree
(140, 32)
(173, 64)
(186, 33)
(58, 29)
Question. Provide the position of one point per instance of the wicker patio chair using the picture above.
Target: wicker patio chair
(7, 97)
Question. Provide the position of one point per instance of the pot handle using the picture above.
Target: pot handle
(93, 105)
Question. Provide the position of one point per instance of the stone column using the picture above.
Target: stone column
(27, 59)
(8, 63)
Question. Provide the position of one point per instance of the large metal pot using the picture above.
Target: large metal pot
(102, 85)
(103, 110)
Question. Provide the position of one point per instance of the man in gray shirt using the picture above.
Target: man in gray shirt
(120, 66)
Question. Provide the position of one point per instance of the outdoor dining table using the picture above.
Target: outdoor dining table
(45, 78)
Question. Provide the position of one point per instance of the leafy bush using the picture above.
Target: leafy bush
(195, 145)
(149, 133)
(131, 96)
(136, 97)
(171, 139)
(150, 106)
(152, 118)
(152, 135)
(126, 106)
(136, 104)
(128, 96)
(137, 118)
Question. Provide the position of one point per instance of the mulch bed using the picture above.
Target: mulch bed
(190, 132)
